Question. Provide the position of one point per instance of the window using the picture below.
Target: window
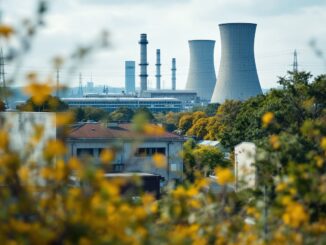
(150, 151)
(85, 152)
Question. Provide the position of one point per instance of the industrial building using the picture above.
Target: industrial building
(187, 97)
(91, 138)
(155, 105)
(237, 77)
(130, 77)
(201, 74)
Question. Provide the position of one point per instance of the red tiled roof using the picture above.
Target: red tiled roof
(120, 131)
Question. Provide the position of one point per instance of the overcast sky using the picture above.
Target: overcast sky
(283, 25)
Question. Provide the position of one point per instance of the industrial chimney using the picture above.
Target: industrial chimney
(158, 69)
(143, 62)
(130, 76)
(237, 78)
(201, 75)
(174, 77)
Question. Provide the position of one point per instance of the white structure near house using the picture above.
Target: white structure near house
(134, 150)
(216, 144)
(21, 128)
(244, 167)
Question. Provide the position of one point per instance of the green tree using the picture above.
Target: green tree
(122, 114)
(51, 104)
(199, 128)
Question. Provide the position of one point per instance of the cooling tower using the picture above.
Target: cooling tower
(201, 75)
(143, 62)
(237, 77)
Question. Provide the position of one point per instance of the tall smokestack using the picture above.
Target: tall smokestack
(143, 62)
(158, 69)
(237, 78)
(174, 77)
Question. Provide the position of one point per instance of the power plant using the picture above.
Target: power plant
(130, 76)
(201, 75)
(237, 77)
(143, 62)
(174, 75)
(158, 69)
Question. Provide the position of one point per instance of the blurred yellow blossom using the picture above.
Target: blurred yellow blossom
(54, 148)
(159, 160)
(323, 143)
(107, 156)
(267, 118)
(39, 92)
(224, 175)
(295, 215)
(4, 139)
(6, 30)
(153, 129)
(63, 118)
(275, 142)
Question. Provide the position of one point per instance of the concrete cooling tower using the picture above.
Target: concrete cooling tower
(201, 75)
(237, 77)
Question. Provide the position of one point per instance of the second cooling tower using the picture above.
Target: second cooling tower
(237, 77)
(201, 75)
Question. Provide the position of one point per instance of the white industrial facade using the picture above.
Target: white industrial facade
(111, 104)
(130, 77)
(201, 75)
(237, 77)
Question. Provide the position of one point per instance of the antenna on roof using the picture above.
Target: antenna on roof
(80, 87)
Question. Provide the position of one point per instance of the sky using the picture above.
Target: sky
(282, 26)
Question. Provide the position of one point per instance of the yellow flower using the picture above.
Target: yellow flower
(281, 187)
(152, 129)
(159, 160)
(267, 118)
(63, 118)
(74, 163)
(54, 148)
(4, 139)
(23, 173)
(6, 30)
(295, 215)
(39, 92)
(275, 142)
(323, 143)
(107, 156)
(224, 175)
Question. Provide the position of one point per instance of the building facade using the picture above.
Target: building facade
(130, 77)
(134, 150)
(155, 105)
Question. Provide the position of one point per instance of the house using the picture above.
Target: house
(134, 150)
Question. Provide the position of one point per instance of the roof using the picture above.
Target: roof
(117, 131)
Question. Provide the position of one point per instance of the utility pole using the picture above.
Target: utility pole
(3, 79)
(80, 87)
(58, 83)
(295, 62)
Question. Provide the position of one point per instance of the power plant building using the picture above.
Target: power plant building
(201, 75)
(237, 78)
(130, 77)
(111, 104)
